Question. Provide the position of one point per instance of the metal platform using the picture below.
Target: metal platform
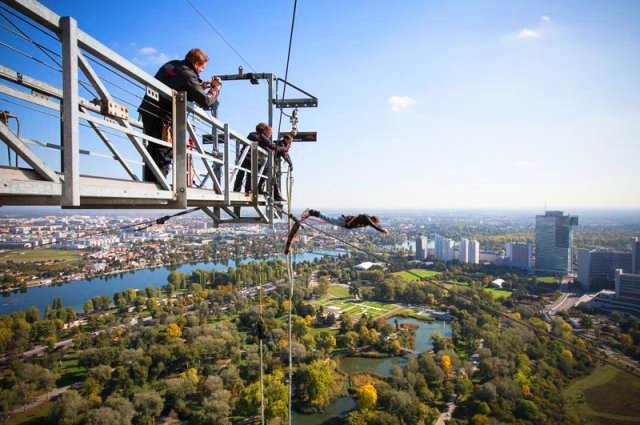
(56, 164)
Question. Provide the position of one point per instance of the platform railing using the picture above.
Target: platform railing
(44, 183)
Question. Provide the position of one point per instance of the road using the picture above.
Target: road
(40, 399)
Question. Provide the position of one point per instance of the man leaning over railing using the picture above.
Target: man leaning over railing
(180, 75)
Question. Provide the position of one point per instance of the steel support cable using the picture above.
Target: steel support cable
(85, 84)
(18, 32)
(117, 73)
(220, 35)
(286, 71)
(29, 56)
(138, 226)
(124, 77)
(486, 307)
(47, 33)
(58, 117)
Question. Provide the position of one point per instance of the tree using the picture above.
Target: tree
(47, 381)
(367, 397)
(526, 409)
(122, 406)
(314, 382)
(104, 416)
(87, 307)
(446, 364)
(148, 405)
(69, 409)
(32, 314)
(173, 331)
(483, 409)
(326, 341)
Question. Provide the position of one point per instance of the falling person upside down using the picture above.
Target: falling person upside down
(346, 221)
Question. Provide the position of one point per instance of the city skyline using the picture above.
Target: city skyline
(468, 106)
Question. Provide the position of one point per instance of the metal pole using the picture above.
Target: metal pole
(70, 113)
(180, 148)
(227, 180)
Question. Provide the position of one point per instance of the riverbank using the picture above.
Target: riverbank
(88, 276)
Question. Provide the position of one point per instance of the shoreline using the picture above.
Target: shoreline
(77, 277)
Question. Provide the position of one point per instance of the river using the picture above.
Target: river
(74, 294)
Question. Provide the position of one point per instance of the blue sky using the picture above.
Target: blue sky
(422, 104)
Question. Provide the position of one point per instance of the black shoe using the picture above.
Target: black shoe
(279, 199)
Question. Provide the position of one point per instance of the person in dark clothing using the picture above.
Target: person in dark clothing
(262, 136)
(282, 152)
(347, 221)
(180, 75)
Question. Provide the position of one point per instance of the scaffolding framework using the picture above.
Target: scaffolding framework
(199, 178)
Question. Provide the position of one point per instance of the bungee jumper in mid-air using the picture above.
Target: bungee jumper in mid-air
(346, 221)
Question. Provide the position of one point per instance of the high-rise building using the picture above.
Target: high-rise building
(444, 248)
(601, 264)
(463, 251)
(421, 247)
(554, 238)
(520, 254)
(635, 256)
(627, 286)
(469, 251)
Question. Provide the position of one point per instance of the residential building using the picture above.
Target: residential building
(594, 264)
(554, 239)
(469, 251)
(444, 248)
(421, 247)
(474, 252)
(463, 252)
(520, 254)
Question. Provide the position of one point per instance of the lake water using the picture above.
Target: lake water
(75, 294)
(343, 405)
(382, 366)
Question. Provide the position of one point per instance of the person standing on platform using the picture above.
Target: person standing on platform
(180, 75)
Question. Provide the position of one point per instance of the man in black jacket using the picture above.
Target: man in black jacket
(180, 75)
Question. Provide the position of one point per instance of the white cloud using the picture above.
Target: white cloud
(398, 103)
(527, 33)
(150, 56)
(545, 19)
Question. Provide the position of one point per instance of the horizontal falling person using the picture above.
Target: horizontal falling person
(346, 221)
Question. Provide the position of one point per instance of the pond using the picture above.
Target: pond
(382, 366)
(341, 407)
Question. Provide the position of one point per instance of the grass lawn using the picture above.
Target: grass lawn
(29, 256)
(409, 277)
(457, 282)
(71, 371)
(315, 331)
(548, 279)
(339, 297)
(499, 293)
(608, 396)
(33, 416)
(339, 291)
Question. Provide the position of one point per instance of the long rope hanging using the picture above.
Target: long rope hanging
(260, 323)
(602, 357)
(290, 273)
